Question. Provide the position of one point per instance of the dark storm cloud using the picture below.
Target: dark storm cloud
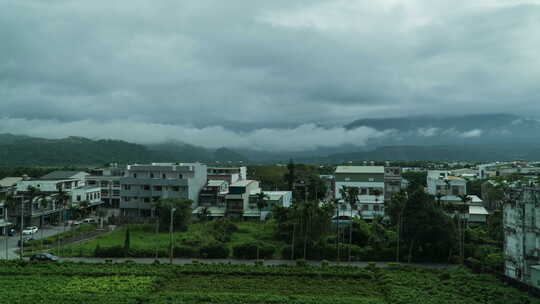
(276, 65)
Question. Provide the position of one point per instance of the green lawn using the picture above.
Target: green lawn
(145, 239)
(131, 283)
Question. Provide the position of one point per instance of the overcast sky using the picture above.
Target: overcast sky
(259, 73)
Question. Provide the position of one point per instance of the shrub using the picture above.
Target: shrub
(301, 262)
(249, 250)
(215, 250)
(259, 262)
(184, 252)
(325, 263)
(109, 252)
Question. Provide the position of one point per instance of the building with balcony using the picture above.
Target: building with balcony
(229, 174)
(45, 208)
(445, 184)
(143, 185)
(108, 179)
(238, 202)
(521, 224)
(212, 198)
(370, 181)
(7, 189)
(392, 182)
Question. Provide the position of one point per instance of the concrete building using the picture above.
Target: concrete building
(108, 179)
(442, 182)
(521, 222)
(229, 174)
(212, 197)
(392, 182)
(370, 181)
(238, 202)
(143, 185)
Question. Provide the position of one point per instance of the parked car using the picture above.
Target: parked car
(30, 230)
(45, 257)
(89, 220)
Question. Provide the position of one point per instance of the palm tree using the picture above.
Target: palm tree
(350, 195)
(462, 210)
(62, 199)
(439, 195)
(399, 202)
(261, 201)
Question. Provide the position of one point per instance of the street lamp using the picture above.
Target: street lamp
(171, 248)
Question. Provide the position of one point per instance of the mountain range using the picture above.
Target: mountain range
(487, 137)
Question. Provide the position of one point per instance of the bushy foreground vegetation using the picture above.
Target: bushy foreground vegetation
(25, 282)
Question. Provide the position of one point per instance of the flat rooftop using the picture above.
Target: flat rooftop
(360, 169)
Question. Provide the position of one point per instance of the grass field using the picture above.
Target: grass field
(145, 239)
(24, 282)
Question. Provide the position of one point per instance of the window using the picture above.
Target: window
(158, 188)
(147, 200)
(116, 184)
(176, 188)
(104, 184)
(146, 187)
(127, 187)
(164, 176)
(151, 175)
(375, 207)
(78, 198)
(363, 191)
(116, 192)
(1, 212)
(126, 198)
(365, 207)
(180, 176)
(134, 175)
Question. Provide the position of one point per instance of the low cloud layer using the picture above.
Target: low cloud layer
(303, 137)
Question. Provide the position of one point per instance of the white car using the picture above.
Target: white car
(30, 230)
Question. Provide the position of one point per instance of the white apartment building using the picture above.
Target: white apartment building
(444, 183)
(370, 181)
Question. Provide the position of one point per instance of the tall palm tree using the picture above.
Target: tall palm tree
(462, 210)
(350, 196)
(261, 201)
(62, 199)
(399, 202)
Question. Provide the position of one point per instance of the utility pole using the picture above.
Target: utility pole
(21, 251)
(171, 248)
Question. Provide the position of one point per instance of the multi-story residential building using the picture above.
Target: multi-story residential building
(143, 185)
(108, 179)
(45, 208)
(392, 182)
(212, 197)
(370, 181)
(447, 185)
(272, 199)
(521, 222)
(229, 174)
(238, 201)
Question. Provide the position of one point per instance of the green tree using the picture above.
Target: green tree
(181, 215)
(127, 242)
(427, 231)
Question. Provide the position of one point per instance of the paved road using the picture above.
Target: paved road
(13, 240)
(181, 261)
